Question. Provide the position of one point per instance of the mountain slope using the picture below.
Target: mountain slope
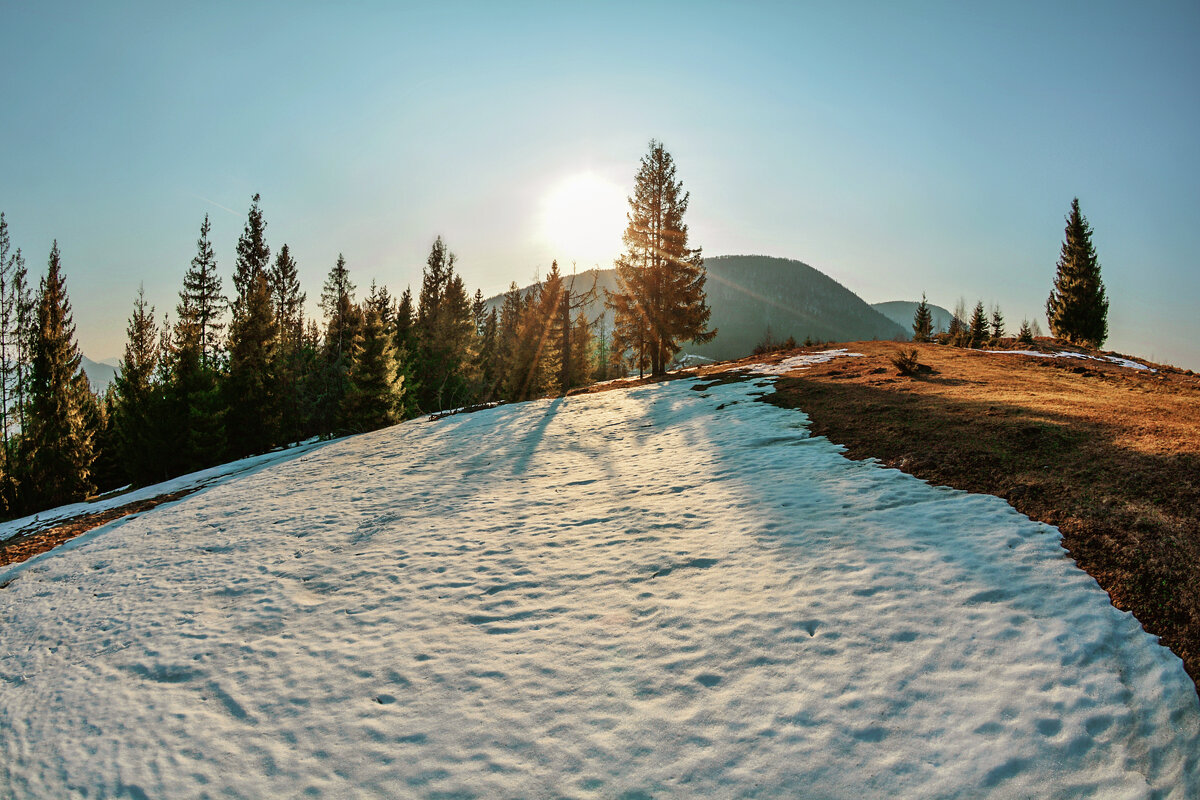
(750, 294)
(100, 375)
(902, 312)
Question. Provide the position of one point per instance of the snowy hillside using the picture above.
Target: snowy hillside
(650, 592)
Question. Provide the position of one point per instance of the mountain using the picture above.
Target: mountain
(902, 311)
(100, 375)
(751, 295)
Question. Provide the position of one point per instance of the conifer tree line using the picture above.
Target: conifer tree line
(225, 377)
(1077, 309)
(236, 369)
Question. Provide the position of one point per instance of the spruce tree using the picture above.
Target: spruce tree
(136, 410)
(660, 299)
(1025, 336)
(373, 398)
(445, 333)
(253, 254)
(405, 337)
(56, 443)
(922, 322)
(342, 322)
(8, 368)
(997, 324)
(201, 303)
(252, 398)
(288, 303)
(1078, 307)
(978, 330)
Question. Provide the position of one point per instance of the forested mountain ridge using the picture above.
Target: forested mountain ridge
(750, 294)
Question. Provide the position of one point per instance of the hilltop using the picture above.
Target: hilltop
(751, 296)
(668, 590)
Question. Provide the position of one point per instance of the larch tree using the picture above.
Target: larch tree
(56, 442)
(1077, 308)
(660, 298)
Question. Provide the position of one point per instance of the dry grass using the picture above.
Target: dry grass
(1108, 454)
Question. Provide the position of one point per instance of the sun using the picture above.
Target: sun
(583, 218)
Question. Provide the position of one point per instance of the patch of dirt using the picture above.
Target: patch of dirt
(27, 545)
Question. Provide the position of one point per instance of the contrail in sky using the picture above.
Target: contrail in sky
(218, 205)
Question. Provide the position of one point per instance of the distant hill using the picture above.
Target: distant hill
(99, 375)
(750, 294)
(902, 311)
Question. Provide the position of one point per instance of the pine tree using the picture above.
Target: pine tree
(922, 322)
(978, 331)
(56, 443)
(136, 410)
(660, 299)
(201, 303)
(1078, 307)
(373, 399)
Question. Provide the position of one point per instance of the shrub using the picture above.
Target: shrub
(906, 362)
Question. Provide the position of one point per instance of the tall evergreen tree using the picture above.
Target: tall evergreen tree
(922, 322)
(341, 326)
(404, 332)
(660, 299)
(288, 302)
(252, 397)
(445, 333)
(56, 442)
(997, 323)
(136, 409)
(373, 399)
(1078, 307)
(978, 329)
(201, 302)
(253, 254)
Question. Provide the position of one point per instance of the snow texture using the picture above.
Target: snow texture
(191, 481)
(1121, 362)
(665, 591)
(802, 361)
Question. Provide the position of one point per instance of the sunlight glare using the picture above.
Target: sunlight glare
(583, 218)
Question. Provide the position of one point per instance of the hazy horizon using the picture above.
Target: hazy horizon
(897, 151)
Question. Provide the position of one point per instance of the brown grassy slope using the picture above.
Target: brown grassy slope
(1108, 454)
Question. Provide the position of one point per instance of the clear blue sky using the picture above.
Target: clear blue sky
(898, 147)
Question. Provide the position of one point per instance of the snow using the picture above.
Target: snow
(624, 594)
(192, 481)
(802, 361)
(1119, 361)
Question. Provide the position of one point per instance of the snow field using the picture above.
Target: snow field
(1120, 362)
(626, 594)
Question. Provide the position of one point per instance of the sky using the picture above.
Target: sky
(899, 148)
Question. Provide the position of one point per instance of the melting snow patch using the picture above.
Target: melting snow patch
(1122, 362)
(621, 594)
(802, 361)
